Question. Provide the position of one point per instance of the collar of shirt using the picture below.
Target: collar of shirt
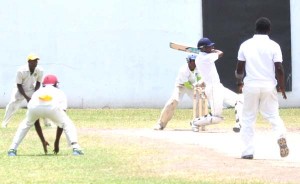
(261, 36)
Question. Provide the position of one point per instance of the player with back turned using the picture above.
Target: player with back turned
(48, 102)
(216, 93)
(261, 58)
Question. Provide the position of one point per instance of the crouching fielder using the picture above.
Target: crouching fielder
(216, 93)
(47, 102)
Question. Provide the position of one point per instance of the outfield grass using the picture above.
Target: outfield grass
(102, 162)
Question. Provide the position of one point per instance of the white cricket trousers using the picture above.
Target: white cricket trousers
(56, 115)
(265, 101)
(217, 95)
(170, 107)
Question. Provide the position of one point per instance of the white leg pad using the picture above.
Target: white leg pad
(207, 120)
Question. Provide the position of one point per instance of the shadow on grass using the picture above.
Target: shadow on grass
(206, 131)
(41, 155)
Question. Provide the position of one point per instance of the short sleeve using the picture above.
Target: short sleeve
(182, 75)
(277, 54)
(19, 78)
(241, 56)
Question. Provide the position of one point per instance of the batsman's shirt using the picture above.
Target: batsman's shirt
(205, 63)
(48, 96)
(260, 54)
(28, 80)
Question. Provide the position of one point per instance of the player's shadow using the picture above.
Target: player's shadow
(261, 159)
(41, 155)
(200, 131)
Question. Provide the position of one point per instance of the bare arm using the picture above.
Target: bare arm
(37, 85)
(41, 135)
(57, 139)
(279, 71)
(21, 90)
(239, 74)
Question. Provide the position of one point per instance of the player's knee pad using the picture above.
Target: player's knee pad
(238, 105)
(238, 110)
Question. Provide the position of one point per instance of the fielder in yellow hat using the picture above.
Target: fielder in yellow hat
(32, 57)
(28, 80)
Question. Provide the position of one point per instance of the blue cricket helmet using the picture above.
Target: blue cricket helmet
(191, 57)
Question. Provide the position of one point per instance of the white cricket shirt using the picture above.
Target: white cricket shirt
(28, 81)
(186, 75)
(260, 54)
(48, 96)
(205, 63)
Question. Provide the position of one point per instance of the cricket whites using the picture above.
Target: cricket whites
(200, 104)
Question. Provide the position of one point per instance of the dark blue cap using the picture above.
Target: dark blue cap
(204, 42)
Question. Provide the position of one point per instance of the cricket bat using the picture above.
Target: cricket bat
(184, 48)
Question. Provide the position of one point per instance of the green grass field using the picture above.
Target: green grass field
(104, 162)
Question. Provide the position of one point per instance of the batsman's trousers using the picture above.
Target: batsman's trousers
(218, 95)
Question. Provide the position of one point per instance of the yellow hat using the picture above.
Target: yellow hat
(32, 57)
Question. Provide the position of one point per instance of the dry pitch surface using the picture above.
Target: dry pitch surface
(215, 151)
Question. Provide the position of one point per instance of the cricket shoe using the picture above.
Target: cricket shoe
(4, 125)
(249, 157)
(12, 153)
(203, 128)
(158, 126)
(77, 152)
(284, 150)
(237, 128)
(207, 120)
(195, 128)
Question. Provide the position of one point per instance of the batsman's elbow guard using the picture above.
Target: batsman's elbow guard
(207, 120)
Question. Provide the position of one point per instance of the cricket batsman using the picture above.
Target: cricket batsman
(216, 93)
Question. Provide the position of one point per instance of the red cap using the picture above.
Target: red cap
(50, 79)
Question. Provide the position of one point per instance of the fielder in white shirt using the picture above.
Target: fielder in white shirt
(216, 93)
(48, 102)
(28, 80)
(187, 77)
(261, 58)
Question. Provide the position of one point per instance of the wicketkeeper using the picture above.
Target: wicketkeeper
(188, 77)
